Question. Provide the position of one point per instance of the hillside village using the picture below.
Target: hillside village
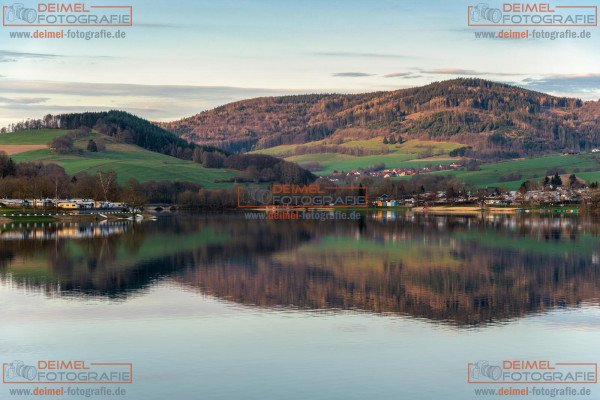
(393, 172)
(492, 197)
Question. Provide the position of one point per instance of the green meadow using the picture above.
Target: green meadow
(405, 155)
(128, 161)
(38, 136)
(532, 168)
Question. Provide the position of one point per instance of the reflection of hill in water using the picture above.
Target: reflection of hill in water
(455, 269)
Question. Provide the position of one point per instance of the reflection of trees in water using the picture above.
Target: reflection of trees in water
(462, 270)
(475, 283)
(71, 264)
(491, 286)
(118, 265)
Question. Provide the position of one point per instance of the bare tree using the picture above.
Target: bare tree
(107, 182)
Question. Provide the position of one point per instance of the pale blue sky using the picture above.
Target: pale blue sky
(182, 57)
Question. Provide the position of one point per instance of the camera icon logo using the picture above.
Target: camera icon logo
(17, 11)
(482, 11)
(18, 369)
(261, 196)
(483, 369)
(256, 196)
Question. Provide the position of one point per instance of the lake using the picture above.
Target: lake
(391, 306)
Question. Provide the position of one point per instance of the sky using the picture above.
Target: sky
(181, 57)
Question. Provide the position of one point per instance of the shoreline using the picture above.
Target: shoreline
(31, 216)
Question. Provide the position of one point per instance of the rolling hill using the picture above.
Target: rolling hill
(434, 125)
(409, 154)
(128, 161)
(141, 149)
(498, 121)
(584, 166)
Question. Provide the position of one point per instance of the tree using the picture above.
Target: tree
(197, 155)
(252, 173)
(481, 194)
(7, 165)
(108, 183)
(62, 144)
(385, 140)
(572, 180)
(211, 159)
(393, 139)
(133, 194)
(87, 186)
(451, 195)
(556, 180)
(25, 189)
(524, 188)
(546, 181)
(92, 147)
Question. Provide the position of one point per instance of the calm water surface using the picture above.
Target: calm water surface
(217, 307)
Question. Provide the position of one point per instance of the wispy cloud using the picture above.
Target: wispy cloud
(10, 56)
(226, 93)
(351, 74)
(469, 72)
(566, 83)
(158, 26)
(23, 100)
(358, 54)
(453, 71)
(403, 75)
(13, 56)
(32, 99)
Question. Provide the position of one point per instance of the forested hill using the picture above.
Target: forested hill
(129, 129)
(490, 116)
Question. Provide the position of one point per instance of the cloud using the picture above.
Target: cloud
(453, 71)
(9, 56)
(583, 84)
(351, 74)
(135, 90)
(358, 54)
(159, 26)
(12, 56)
(403, 75)
(23, 100)
(469, 72)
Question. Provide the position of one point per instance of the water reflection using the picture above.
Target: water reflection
(461, 270)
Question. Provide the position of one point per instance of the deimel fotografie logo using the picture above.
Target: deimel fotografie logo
(532, 14)
(302, 196)
(532, 371)
(66, 14)
(66, 371)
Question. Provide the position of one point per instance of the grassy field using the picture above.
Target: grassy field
(41, 136)
(132, 161)
(533, 168)
(405, 155)
(126, 160)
